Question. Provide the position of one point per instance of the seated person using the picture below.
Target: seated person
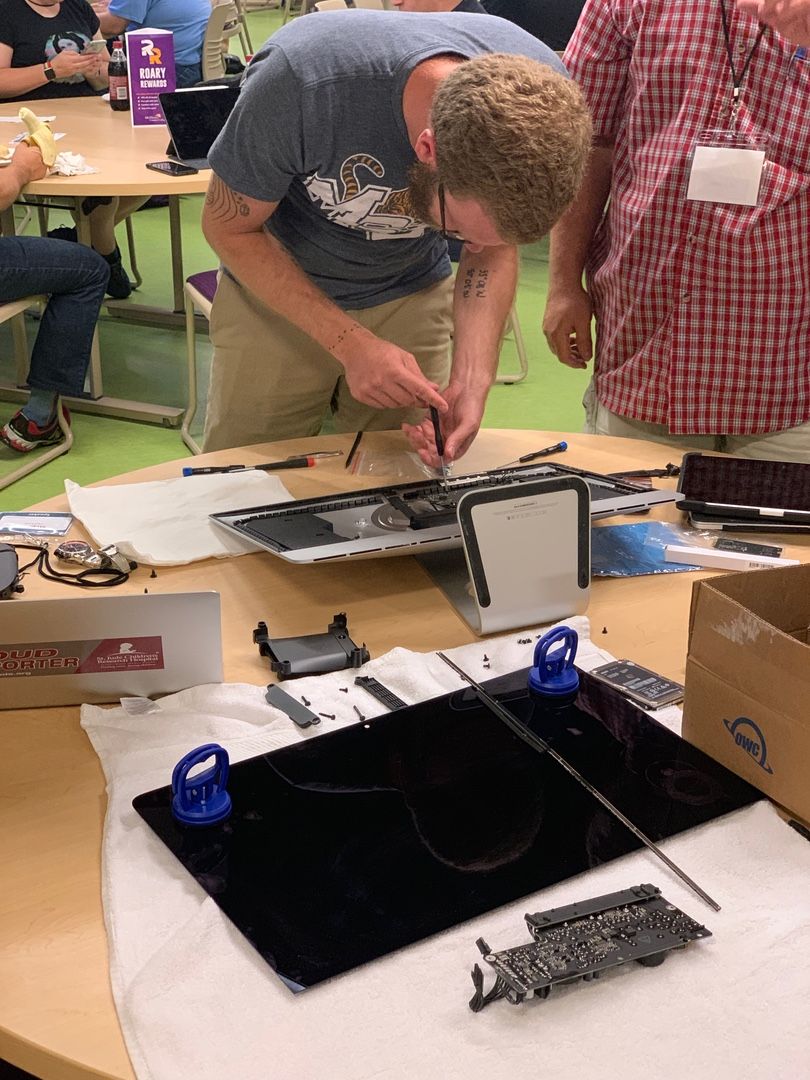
(75, 277)
(187, 20)
(42, 56)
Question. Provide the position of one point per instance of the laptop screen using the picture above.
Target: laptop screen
(195, 117)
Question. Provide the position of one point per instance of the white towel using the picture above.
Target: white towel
(165, 522)
(194, 999)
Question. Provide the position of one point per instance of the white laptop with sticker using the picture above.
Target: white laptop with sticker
(95, 649)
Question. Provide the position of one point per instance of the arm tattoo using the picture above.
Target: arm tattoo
(342, 337)
(475, 283)
(223, 203)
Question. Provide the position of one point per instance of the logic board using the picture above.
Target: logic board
(582, 940)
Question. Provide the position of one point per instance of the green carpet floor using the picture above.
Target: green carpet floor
(147, 364)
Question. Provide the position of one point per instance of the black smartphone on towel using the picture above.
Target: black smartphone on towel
(172, 168)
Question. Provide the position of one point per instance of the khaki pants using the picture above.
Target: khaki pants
(792, 444)
(271, 381)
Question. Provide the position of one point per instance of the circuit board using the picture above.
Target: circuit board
(582, 940)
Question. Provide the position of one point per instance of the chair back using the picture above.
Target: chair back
(223, 23)
(330, 5)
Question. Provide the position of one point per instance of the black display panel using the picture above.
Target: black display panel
(352, 844)
(729, 481)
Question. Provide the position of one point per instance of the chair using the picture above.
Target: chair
(14, 313)
(330, 5)
(199, 291)
(371, 5)
(223, 23)
(244, 32)
(513, 327)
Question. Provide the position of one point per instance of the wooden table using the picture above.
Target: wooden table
(120, 152)
(57, 1018)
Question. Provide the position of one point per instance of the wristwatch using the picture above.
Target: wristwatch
(79, 552)
(50, 74)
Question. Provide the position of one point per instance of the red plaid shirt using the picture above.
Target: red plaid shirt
(703, 309)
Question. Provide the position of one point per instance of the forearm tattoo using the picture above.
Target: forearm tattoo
(223, 203)
(341, 337)
(475, 283)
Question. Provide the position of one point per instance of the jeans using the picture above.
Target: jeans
(187, 74)
(76, 278)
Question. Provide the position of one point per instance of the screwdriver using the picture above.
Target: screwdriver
(437, 431)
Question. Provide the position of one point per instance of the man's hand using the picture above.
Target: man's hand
(384, 376)
(28, 164)
(68, 62)
(790, 18)
(459, 424)
(567, 326)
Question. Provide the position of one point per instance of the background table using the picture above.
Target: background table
(120, 152)
(56, 1012)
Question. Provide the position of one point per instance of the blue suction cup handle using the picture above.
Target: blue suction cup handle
(202, 799)
(554, 676)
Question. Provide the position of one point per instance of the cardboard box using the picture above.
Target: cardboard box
(748, 679)
(150, 68)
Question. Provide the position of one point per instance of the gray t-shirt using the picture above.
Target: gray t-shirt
(319, 129)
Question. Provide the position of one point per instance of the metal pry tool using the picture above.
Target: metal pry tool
(437, 431)
(533, 740)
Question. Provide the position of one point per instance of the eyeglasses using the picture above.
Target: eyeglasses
(446, 235)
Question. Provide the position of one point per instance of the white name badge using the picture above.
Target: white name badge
(726, 168)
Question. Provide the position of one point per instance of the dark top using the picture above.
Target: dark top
(35, 39)
(471, 6)
(552, 21)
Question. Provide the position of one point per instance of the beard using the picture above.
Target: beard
(422, 182)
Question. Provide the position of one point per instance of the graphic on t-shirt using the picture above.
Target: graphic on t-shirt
(66, 41)
(381, 213)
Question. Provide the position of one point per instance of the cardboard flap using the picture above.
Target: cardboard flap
(744, 648)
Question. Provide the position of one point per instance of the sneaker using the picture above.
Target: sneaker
(119, 286)
(64, 232)
(23, 435)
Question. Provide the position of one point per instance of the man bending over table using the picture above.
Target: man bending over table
(361, 141)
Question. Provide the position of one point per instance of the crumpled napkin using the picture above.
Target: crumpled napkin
(68, 164)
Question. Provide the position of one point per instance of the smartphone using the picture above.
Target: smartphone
(95, 46)
(172, 168)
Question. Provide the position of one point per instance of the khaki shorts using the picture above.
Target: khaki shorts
(271, 381)
(792, 444)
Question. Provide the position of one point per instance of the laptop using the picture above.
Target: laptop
(407, 519)
(87, 649)
(195, 118)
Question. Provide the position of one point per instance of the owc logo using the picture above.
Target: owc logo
(749, 738)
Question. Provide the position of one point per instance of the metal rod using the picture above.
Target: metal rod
(537, 743)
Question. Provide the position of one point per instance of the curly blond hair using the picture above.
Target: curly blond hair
(514, 135)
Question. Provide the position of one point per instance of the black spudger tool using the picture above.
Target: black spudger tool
(437, 432)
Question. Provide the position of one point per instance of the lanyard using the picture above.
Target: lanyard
(737, 79)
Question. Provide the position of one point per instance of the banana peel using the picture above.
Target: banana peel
(39, 135)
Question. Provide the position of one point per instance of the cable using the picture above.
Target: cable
(83, 580)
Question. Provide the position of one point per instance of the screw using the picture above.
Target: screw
(343, 689)
(305, 700)
(486, 658)
(327, 716)
(359, 714)
(604, 629)
(153, 574)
